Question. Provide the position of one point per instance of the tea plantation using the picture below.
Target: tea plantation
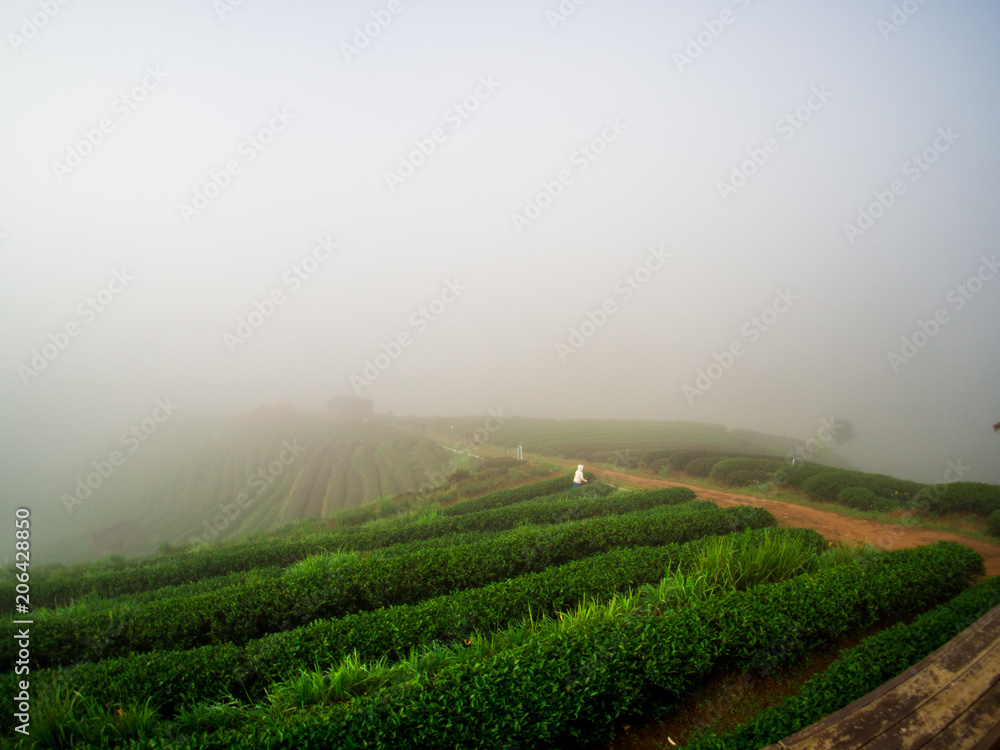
(535, 617)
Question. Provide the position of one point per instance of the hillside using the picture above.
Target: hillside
(615, 440)
(536, 616)
(222, 480)
(219, 481)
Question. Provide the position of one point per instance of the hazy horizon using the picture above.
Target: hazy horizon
(760, 215)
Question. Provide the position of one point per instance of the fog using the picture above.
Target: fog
(756, 214)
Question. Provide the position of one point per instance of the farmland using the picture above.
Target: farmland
(223, 479)
(534, 617)
(226, 480)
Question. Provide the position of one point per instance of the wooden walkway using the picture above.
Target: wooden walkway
(949, 701)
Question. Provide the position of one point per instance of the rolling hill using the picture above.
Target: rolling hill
(225, 479)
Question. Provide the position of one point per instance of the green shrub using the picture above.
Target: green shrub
(242, 613)
(860, 670)
(501, 498)
(459, 475)
(702, 467)
(826, 485)
(885, 504)
(679, 459)
(861, 498)
(655, 460)
(211, 672)
(794, 475)
(993, 523)
(422, 532)
(743, 477)
(739, 471)
(210, 561)
(571, 686)
(962, 497)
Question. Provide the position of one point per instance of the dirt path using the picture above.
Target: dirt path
(834, 527)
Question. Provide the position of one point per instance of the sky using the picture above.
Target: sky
(754, 213)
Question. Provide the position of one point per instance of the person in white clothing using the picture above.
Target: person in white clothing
(578, 479)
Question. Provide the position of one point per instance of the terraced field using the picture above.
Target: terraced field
(538, 616)
(233, 480)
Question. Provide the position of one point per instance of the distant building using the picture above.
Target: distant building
(121, 537)
(350, 406)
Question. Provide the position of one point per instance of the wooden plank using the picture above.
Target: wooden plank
(945, 709)
(871, 711)
(976, 729)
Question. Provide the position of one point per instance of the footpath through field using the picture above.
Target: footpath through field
(833, 526)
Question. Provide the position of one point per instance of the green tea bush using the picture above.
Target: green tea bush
(861, 498)
(412, 534)
(172, 679)
(570, 686)
(962, 497)
(246, 612)
(738, 471)
(501, 498)
(993, 523)
(825, 486)
(886, 504)
(702, 467)
(655, 460)
(794, 475)
(216, 560)
(860, 670)
(679, 459)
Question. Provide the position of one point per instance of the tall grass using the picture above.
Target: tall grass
(70, 720)
(317, 566)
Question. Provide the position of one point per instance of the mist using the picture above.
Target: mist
(755, 214)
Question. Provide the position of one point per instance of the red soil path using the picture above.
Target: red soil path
(834, 527)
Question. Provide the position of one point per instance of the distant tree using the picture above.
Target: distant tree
(844, 432)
